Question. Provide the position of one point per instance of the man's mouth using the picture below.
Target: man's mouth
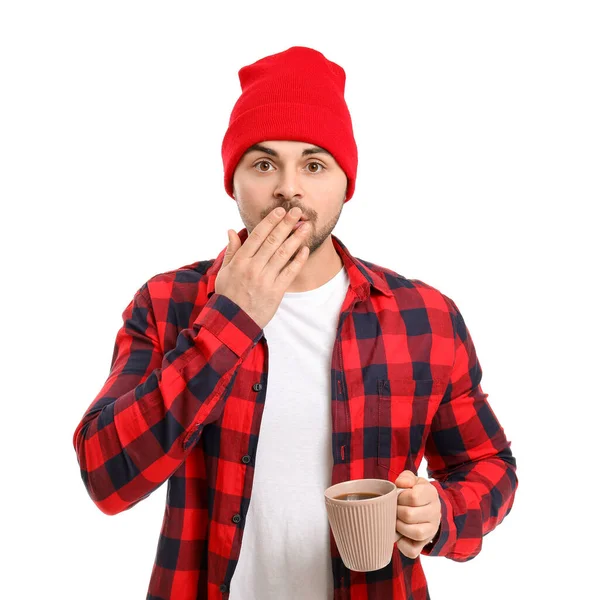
(300, 221)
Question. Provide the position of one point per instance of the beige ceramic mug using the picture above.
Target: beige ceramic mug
(364, 529)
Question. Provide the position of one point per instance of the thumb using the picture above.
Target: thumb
(406, 479)
(230, 248)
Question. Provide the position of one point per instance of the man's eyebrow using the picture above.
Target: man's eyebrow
(271, 152)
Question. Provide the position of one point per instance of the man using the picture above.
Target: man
(252, 382)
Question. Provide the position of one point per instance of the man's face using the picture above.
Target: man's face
(277, 173)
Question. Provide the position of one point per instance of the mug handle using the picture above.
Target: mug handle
(398, 535)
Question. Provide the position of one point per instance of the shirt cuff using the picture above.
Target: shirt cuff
(229, 323)
(445, 537)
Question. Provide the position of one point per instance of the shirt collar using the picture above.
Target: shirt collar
(361, 278)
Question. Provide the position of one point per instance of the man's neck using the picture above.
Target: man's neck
(319, 268)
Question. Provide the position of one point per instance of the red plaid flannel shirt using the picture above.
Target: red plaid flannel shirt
(183, 403)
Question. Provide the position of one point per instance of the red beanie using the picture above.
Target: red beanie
(293, 95)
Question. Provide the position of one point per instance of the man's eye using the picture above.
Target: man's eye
(261, 162)
(316, 163)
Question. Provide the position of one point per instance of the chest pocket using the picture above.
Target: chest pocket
(406, 408)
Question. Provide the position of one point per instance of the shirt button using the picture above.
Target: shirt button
(223, 588)
(257, 387)
(236, 519)
(246, 459)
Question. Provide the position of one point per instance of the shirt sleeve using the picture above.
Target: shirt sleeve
(153, 406)
(469, 457)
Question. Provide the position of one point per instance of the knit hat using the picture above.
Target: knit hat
(294, 95)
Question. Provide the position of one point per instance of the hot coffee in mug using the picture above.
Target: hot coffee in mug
(357, 496)
(363, 516)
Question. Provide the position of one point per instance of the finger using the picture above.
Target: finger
(406, 479)
(232, 247)
(416, 514)
(280, 245)
(260, 233)
(275, 238)
(288, 274)
(407, 473)
(415, 531)
(410, 548)
(418, 495)
(285, 252)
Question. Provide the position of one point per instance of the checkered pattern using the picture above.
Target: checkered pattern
(184, 399)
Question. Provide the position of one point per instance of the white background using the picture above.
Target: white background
(473, 124)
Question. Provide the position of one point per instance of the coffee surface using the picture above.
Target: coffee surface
(357, 496)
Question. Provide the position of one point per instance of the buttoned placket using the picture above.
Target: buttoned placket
(339, 393)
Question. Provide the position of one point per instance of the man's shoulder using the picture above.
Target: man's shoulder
(402, 286)
(186, 277)
(192, 272)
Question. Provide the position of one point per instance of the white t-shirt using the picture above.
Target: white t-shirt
(285, 552)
